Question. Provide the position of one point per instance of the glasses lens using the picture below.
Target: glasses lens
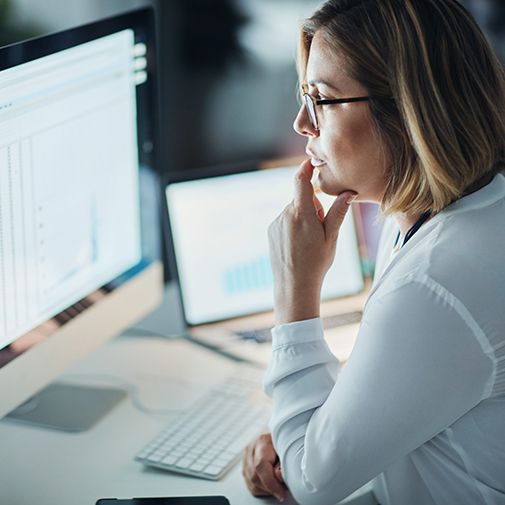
(311, 109)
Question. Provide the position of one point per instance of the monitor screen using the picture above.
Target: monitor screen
(68, 180)
(219, 237)
(75, 154)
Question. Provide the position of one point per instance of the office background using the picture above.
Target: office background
(227, 74)
(227, 94)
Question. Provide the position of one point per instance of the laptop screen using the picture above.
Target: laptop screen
(218, 228)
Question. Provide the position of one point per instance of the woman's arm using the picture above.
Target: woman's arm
(302, 248)
(417, 366)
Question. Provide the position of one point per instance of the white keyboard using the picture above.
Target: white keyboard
(206, 440)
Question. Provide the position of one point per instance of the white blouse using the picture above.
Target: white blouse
(420, 404)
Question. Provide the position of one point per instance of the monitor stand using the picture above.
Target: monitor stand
(67, 407)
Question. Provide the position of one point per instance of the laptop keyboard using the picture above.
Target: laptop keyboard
(263, 334)
(206, 440)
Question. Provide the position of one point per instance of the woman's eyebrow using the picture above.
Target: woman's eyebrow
(324, 83)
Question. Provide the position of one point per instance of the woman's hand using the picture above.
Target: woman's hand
(261, 469)
(302, 248)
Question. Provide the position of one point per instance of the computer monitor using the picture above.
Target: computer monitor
(218, 220)
(78, 132)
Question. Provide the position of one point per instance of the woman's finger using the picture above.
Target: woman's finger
(319, 208)
(250, 472)
(278, 473)
(304, 191)
(336, 214)
(269, 481)
(259, 461)
(265, 461)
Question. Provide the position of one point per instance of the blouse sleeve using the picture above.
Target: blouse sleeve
(417, 366)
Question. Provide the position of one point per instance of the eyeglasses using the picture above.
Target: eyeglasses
(311, 103)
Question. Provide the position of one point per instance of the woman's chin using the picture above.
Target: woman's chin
(328, 187)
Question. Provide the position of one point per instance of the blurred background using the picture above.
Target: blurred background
(228, 80)
(227, 73)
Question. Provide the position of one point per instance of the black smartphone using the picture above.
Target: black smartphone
(180, 500)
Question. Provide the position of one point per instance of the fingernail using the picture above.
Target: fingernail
(280, 498)
(351, 199)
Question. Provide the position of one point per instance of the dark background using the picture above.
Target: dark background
(228, 79)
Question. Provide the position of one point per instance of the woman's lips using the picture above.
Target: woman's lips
(314, 160)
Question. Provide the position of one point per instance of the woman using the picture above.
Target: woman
(404, 105)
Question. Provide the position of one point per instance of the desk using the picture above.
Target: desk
(45, 467)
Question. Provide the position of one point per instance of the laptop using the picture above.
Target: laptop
(217, 221)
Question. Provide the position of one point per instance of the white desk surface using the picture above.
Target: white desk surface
(47, 467)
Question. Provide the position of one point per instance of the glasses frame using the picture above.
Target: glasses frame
(311, 103)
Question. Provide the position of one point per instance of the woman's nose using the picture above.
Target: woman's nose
(302, 124)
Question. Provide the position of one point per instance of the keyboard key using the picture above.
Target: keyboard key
(155, 458)
(211, 453)
(184, 463)
(197, 467)
(213, 470)
(169, 460)
(222, 462)
(194, 453)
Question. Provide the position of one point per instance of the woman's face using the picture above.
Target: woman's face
(345, 149)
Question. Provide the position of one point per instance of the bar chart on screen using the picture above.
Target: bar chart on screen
(251, 276)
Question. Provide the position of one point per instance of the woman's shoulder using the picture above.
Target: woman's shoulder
(459, 251)
(467, 246)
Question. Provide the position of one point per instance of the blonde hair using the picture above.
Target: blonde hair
(437, 88)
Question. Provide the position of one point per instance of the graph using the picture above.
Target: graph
(65, 249)
(252, 276)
